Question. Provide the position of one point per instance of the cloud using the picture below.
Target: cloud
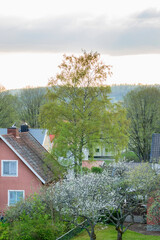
(149, 13)
(138, 34)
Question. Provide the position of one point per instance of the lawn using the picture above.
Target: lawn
(109, 233)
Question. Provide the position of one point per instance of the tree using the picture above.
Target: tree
(79, 112)
(82, 199)
(114, 194)
(143, 111)
(130, 188)
(8, 107)
(30, 100)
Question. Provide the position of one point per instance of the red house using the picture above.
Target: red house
(22, 169)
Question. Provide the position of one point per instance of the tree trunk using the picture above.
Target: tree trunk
(119, 235)
(93, 235)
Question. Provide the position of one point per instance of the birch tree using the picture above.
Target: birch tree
(79, 112)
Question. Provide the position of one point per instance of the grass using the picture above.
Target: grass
(107, 162)
(109, 233)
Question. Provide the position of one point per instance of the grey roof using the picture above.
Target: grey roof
(3, 131)
(155, 148)
(38, 134)
(31, 151)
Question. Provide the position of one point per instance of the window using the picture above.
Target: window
(97, 150)
(10, 168)
(15, 196)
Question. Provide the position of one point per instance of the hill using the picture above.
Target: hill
(117, 91)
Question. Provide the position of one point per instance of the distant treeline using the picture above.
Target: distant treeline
(118, 91)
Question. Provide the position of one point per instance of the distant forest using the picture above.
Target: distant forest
(117, 91)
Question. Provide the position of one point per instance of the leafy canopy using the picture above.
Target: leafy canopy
(79, 112)
(143, 111)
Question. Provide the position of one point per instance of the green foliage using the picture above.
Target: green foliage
(30, 101)
(32, 220)
(57, 169)
(31, 207)
(130, 156)
(144, 179)
(79, 112)
(8, 109)
(96, 169)
(4, 231)
(38, 227)
(28, 228)
(85, 170)
(143, 111)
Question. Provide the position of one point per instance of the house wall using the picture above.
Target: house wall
(26, 180)
(47, 143)
(102, 153)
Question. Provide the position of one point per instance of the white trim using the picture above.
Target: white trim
(23, 160)
(15, 191)
(5, 175)
(44, 137)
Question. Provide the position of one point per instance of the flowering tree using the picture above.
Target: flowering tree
(130, 187)
(83, 199)
(115, 194)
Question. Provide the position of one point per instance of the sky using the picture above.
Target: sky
(34, 35)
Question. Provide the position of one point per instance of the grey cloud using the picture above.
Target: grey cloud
(149, 13)
(71, 34)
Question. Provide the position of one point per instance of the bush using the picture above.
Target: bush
(32, 206)
(85, 170)
(32, 220)
(4, 231)
(96, 170)
(37, 228)
(130, 156)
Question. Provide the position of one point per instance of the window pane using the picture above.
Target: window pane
(19, 196)
(12, 197)
(12, 168)
(5, 168)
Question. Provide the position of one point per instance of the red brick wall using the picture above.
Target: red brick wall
(151, 220)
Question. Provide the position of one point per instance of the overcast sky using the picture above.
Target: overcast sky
(34, 34)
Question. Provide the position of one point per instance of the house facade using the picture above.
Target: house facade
(22, 168)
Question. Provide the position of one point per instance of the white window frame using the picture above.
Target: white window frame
(7, 175)
(14, 191)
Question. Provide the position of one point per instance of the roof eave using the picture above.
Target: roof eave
(23, 160)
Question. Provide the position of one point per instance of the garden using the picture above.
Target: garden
(97, 203)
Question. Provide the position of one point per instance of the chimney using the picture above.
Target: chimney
(24, 128)
(13, 131)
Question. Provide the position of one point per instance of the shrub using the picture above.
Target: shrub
(4, 231)
(39, 228)
(96, 169)
(85, 170)
(32, 220)
(130, 156)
